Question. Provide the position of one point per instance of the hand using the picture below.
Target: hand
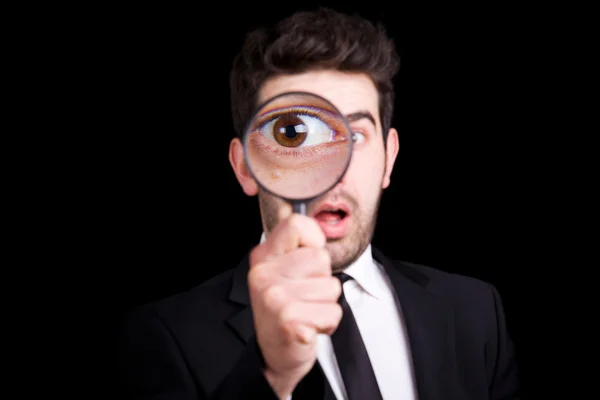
(293, 297)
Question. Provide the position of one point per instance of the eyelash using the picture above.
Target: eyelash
(310, 112)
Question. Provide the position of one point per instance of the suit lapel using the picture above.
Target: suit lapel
(428, 322)
(241, 322)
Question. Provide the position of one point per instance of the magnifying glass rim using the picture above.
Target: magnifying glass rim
(297, 93)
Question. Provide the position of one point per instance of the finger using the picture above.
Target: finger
(305, 334)
(322, 289)
(295, 231)
(301, 263)
(276, 297)
(325, 290)
(304, 262)
(285, 211)
(321, 317)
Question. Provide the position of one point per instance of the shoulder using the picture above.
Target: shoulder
(473, 301)
(206, 301)
(446, 284)
(480, 324)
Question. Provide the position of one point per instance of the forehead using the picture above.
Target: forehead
(349, 92)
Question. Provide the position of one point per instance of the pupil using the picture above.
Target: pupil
(290, 131)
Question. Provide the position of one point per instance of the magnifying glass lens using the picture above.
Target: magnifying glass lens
(298, 146)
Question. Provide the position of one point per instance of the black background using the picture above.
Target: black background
(167, 213)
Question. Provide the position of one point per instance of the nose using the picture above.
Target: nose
(344, 177)
(340, 185)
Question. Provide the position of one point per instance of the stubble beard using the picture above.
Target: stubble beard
(343, 251)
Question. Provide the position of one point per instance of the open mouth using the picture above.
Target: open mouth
(331, 216)
(334, 219)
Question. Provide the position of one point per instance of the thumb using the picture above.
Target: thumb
(285, 211)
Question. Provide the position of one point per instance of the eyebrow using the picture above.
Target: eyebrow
(360, 115)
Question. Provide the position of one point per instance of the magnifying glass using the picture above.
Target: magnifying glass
(298, 146)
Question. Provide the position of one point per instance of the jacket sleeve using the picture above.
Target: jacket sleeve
(153, 367)
(502, 368)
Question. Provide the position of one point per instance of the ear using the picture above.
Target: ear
(238, 163)
(391, 152)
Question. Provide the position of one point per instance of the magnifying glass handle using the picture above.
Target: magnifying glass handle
(299, 207)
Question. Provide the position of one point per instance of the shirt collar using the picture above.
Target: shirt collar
(364, 271)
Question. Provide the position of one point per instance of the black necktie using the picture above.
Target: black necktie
(353, 360)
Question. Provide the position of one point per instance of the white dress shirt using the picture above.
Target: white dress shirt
(378, 315)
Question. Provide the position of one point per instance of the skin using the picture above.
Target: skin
(369, 171)
(293, 294)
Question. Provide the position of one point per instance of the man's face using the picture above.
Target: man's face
(359, 192)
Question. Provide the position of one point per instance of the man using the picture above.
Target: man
(314, 311)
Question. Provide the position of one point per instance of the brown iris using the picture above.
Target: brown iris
(290, 131)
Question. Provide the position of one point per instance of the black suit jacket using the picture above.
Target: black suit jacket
(200, 344)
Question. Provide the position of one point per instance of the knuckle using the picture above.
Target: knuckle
(255, 254)
(275, 296)
(287, 319)
(287, 314)
(295, 222)
(336, 287)
(258, 276)
(317, 234)
(322, 257)
(338, 312)
(314, 254)
(330, 317)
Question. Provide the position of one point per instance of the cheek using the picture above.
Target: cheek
(365, 175)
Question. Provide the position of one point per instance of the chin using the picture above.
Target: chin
(343, 252)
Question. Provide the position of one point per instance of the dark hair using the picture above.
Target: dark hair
(314, 40)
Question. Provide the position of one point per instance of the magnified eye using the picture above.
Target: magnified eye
(293, 130)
